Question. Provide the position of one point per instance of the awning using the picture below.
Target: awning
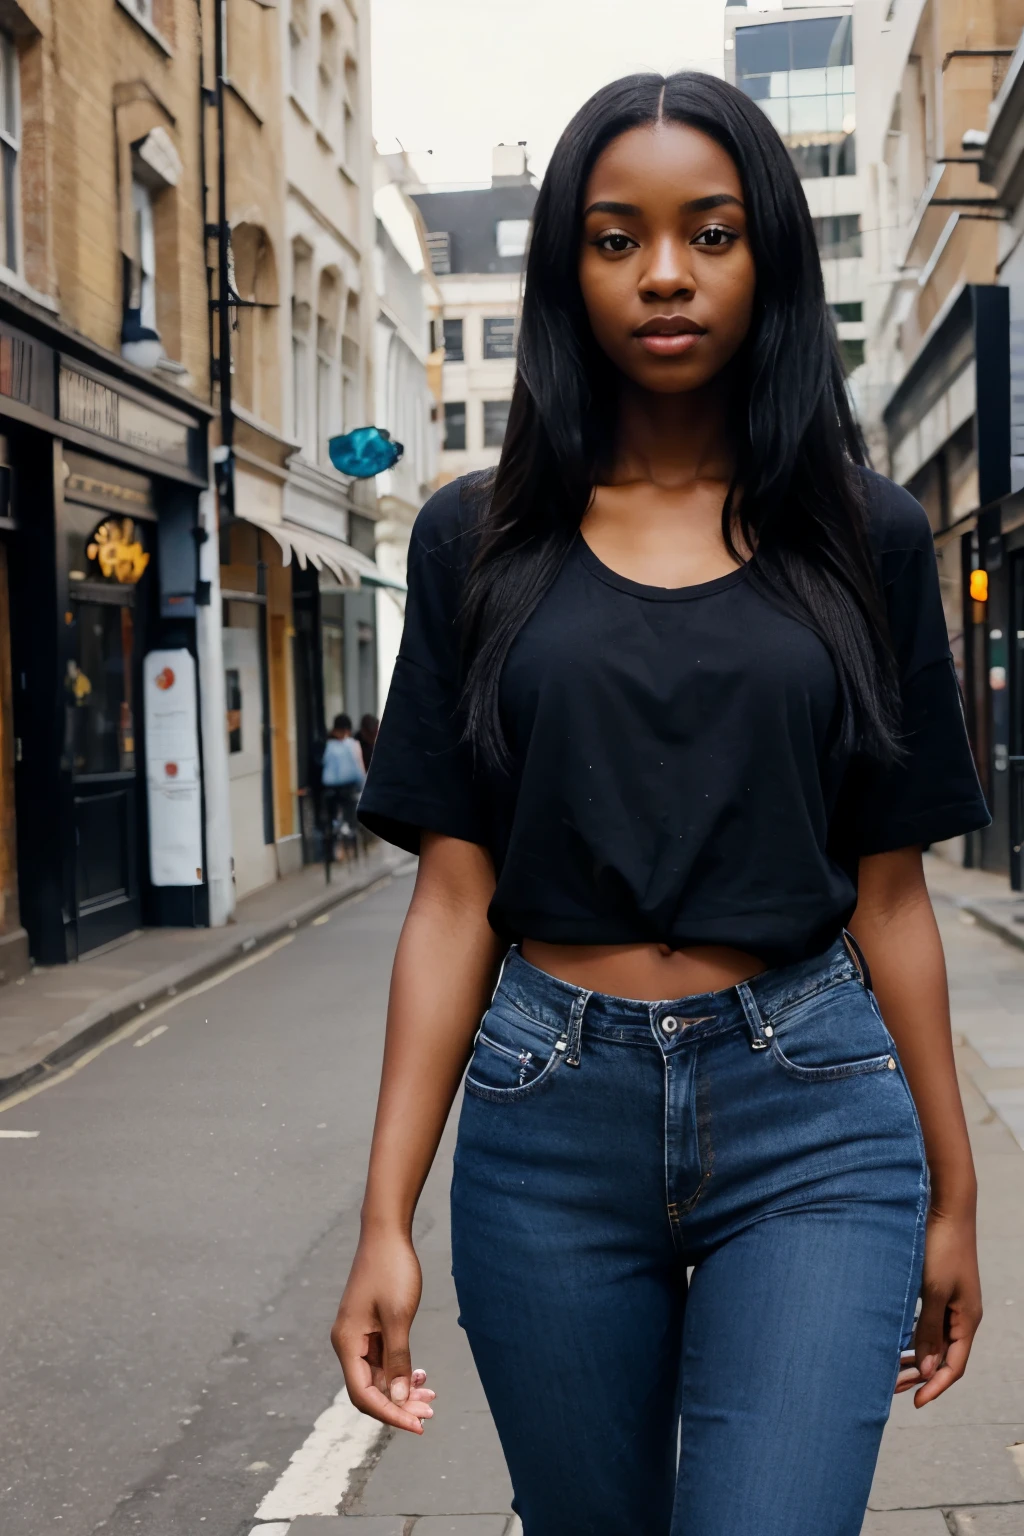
(321, 551)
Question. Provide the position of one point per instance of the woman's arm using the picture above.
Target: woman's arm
(443, 975)
(895, 926)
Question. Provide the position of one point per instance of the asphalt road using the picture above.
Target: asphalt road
(174, 1238)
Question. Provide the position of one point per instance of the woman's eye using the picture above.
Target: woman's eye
(716, 237)
(615, 242)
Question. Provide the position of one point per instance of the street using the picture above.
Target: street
(178, 1210)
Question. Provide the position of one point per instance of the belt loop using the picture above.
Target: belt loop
(856, 954)
(574, 1033)
(760, 1033)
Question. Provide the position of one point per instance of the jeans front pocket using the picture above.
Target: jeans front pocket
(513, 1055)
(834, 1034)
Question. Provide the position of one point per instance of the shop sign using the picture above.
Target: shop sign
(88, 402)
(26, 370)
(172, 769)
(118, 553)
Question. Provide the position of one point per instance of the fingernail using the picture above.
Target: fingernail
(399, 1390)
(419, 1377)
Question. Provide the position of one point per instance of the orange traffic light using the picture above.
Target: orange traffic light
(979, 586)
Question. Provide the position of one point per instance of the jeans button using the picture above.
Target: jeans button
(670, 1025)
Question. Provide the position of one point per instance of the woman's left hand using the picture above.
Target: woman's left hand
(950, 1308)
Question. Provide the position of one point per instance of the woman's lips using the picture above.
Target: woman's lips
(672, 344)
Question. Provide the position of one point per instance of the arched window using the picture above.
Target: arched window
(302, 311)
(328, 405)
(256, 378)
(298, 49)
(350, 114)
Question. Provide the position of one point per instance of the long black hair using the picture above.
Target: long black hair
(796, 497)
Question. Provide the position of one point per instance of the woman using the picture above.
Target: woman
(674, 707)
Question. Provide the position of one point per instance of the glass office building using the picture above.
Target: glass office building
(800, 73)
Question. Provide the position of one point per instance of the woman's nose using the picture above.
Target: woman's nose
(669, 274)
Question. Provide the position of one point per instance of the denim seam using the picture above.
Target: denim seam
(513, 1095)
(510, 1002)
(790, 1007)
(833, 1073)
(702, 1115)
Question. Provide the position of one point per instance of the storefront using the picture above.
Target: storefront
(105, 469)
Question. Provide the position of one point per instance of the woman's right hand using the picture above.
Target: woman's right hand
(371, 1332)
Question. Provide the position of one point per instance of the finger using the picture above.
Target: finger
(357, 1356)
(418, 1378)
(950, 1370)
(397, 1360)
(930, 1333)
(376, 1406)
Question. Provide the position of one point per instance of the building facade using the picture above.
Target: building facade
(798, 64)
(104, 371)
(477, 239)
(936, 402)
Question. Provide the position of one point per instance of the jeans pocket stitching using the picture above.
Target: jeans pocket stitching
(789, 1009)
(511, 1095)
(832, 1073)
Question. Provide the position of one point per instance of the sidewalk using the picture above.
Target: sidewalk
(56, 1012)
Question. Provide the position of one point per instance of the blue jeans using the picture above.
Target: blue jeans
(764, 1137)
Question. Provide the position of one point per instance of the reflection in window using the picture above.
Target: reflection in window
(454, 424)
(500, 337)
(495, 422)
(838, 235)
(233, 686)
(801, 75)
(98, 689)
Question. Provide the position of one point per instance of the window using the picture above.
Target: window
(350, 398)
(852, 353)
(439, 247)
(453, 352)
(10, 143)
(302, 279)
(327, 72)
(454, 424)
(512, 236)
(853, 312)
(500, 338)
(800, 73)
(298, 49)
(495, 422)
(838, 235)
(327, 414)
(143, 291)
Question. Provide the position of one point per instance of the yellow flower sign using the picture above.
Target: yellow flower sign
(117, 551)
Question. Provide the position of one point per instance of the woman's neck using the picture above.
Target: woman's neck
(672, 440)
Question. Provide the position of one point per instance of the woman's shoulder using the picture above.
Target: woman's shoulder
(446, 522)
(896, 522)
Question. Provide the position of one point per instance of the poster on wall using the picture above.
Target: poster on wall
(172, 769)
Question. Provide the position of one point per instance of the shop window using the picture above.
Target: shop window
(10, 145)
(98, 688)
(500, 337)
(454, 425)
(495, 422)
(453, 352)
(512, 235)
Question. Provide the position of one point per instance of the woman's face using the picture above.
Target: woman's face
(666, 268)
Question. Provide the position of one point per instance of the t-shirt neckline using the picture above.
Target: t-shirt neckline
(611, 578)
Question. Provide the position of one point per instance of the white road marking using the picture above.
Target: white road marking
(134, 1025)
(318, 922)
(161, 1029)
(269, 1530)
(19, 1135)
(316, 1479)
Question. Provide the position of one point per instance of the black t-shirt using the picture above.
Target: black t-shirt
(676, 776)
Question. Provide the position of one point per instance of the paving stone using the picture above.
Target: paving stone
(354, 1525)
(945, 1465)
(905, 1522)
(461, 1525)
(995, 1520)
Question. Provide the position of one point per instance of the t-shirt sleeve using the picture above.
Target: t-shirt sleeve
(421, 775)
(932, 792)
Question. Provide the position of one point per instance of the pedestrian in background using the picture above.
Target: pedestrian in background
(673, 716)
(366, 736)
(342, 776)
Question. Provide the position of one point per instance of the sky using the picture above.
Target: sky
(458, 76)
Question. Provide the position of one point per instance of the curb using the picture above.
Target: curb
(995, 925)
(89, 1028)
